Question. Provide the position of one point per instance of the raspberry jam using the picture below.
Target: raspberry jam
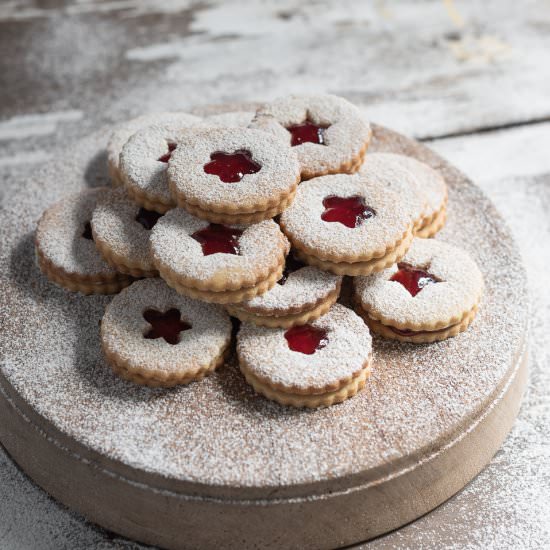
(292, 264)
(87, 234)
(166, 325)
(306, 339)
(147, 218)
(231, 167)
(171, 148)
(218, 239)
(413, 279)
(307, 132)
(349, 211)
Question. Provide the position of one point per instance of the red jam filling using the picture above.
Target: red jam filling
(413, 279)
(147, 218)
(171, 148)
(166, 325)
(87, 234)
(292, 264)
(307, 132)
(231, 167)
(218, 239)
(349, 211)
(306, 339)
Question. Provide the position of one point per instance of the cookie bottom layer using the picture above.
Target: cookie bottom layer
(419, 337)
(158, 379)
(100, 286)
(284, 321)
(434, 225)
(230, 219)
(224, 297)
(310, 401)
(359, 268)
(121, 264)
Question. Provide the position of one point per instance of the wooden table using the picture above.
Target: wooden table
(472, 79)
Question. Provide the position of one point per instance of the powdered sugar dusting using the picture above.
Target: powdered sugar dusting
(123, 132)
(304, 287)
(431, 184)
(123, 327)
(458, 290)
(262, 246)
(114, 223)
(268, 356)
(51, 355)
(277, 177)
(334, 241)
(390, 170)
(59, 235)
(345, 138)
(139, 164)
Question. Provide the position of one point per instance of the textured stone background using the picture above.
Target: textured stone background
(471, 78)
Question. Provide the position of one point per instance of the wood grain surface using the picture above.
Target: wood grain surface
(431, 69)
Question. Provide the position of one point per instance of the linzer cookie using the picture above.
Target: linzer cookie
(126, 130)
(153, 336)
(329, 134)
(218, 263)
(434, 188)
(390, 170)
(348, 225)
(301, 295)
(313, 365)
(65, 249)
(121, 230)
(433, 293)
(144, 159)
(232, 175)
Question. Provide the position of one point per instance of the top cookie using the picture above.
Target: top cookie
(451, 286)
(123, 132)
(329, 134)
(232, 171)
(346, 218)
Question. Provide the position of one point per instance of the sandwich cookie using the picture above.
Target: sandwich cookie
(329, 134)
(232, 175)
(348, 225)
(66, 251)
(153, 336)
(433, 293)
(121, 230)
(218, 263)
(301, 295)
(313, 365)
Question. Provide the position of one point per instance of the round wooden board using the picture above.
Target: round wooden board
(212, 464)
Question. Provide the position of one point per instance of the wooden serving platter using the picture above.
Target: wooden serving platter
(214, 465)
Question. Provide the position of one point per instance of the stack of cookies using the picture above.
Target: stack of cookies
(261, 216)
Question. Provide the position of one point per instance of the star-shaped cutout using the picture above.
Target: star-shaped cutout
(412, 278)
(232, 167)
(307, 132)
(349, 211)
(166, 325)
